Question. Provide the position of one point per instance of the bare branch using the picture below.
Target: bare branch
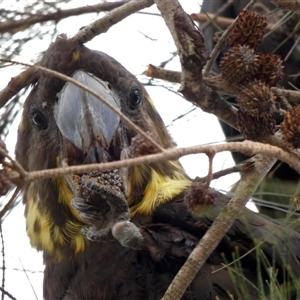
(20, 25)
(245, 189)
(10, 296)
(290, 95)
(193, 56)
(162, 73)
(15, 85)
(293, 5)
(224, 22)
(10, 203)
(246, 147)
(112, 18)
(214, 82)
(219, 11)
(15, 165)
(224, 172)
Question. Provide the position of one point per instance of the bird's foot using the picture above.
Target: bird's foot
(97, 235)
(125, 232)
(101, 204)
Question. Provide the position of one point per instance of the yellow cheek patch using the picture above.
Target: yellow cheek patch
(66, 195)
(44, 234)
(38, 227)
(159, 190)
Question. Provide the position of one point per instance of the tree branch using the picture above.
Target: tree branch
(20, 25)
(293, 5)
(247, 147)
(193, 56)
(15, 85)
(224, 22)
(84, 35)
(112, 18)
(290, 95)
(247, 186)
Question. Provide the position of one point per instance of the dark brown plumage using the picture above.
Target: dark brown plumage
(55, 132)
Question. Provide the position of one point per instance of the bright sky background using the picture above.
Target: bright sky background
(127, 43)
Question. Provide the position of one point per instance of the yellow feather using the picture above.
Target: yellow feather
(44, 234)
(159, 190)
(40, 239)
(66, 195)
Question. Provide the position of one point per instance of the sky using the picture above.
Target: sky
(135, 42)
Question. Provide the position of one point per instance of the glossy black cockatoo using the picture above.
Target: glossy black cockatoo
(81, 221)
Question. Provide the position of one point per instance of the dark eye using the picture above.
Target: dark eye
(135, 98)
(38, 119)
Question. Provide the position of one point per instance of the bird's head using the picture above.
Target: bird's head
(65, 125)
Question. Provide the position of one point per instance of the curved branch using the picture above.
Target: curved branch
(223, 21)
(113, 17)
(15, 85)
(57, 16)
(246, 147)
(287, 5)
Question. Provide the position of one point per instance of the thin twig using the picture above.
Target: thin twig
(9, 204)
(246, 147)
(17, 167)
(225, 22)
(221, 173)
(113, 17)
(36, 297)
(15, 85)
(214, 82)
(21, 25)
(290, 95)
(6, 293)
(212, 19)
(162, 73)
(287, 5)
(3, 259)
(209, 176)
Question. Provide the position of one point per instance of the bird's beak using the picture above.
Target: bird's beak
(82, 118)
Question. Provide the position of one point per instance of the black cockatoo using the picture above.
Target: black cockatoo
(75, 219)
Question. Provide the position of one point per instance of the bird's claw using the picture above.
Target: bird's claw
(105, 208)
(97, 235)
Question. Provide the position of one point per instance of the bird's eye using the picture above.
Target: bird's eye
(135, 98)
(38, 119)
